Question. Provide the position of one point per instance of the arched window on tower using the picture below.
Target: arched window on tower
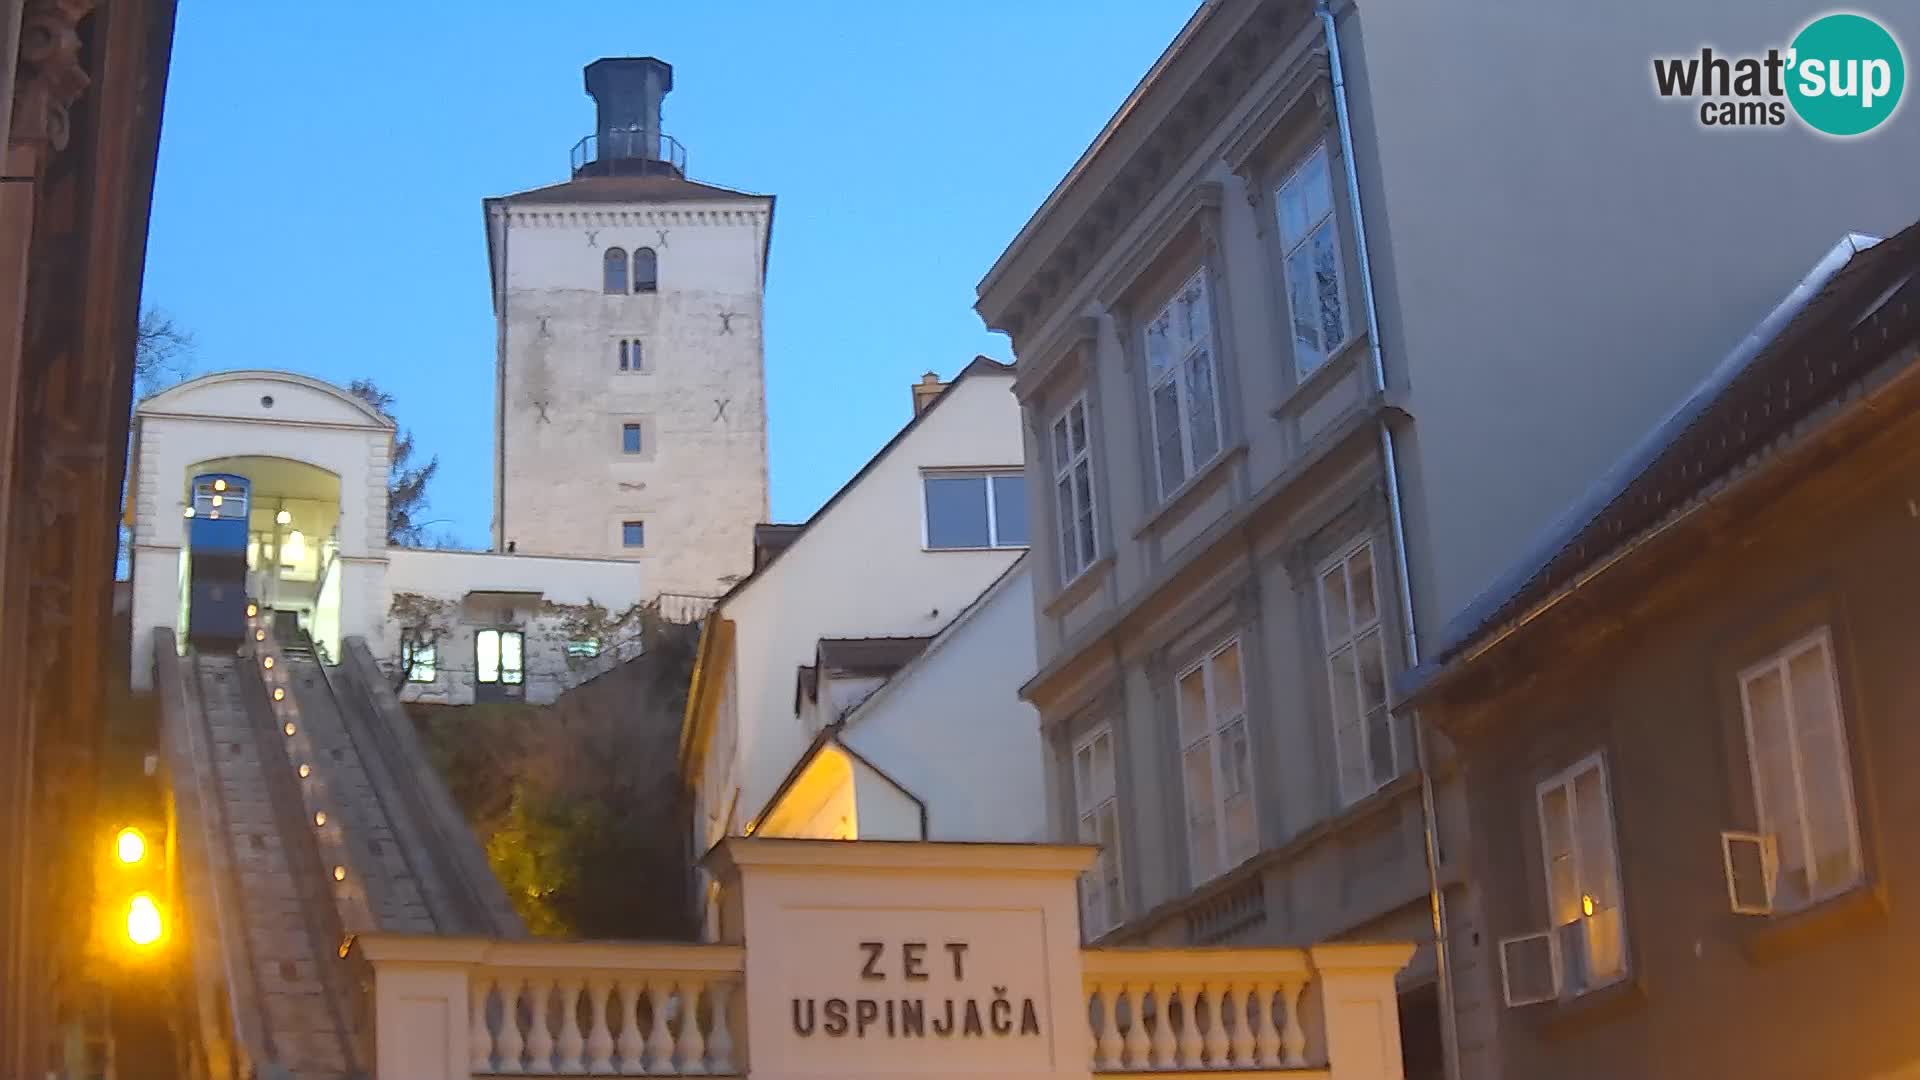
(614, 272)
(646, 270)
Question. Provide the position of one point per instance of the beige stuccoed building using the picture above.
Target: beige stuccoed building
(1344, 305)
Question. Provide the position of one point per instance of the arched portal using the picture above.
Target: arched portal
(293, 542)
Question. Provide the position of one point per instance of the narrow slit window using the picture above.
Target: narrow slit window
(630, 354)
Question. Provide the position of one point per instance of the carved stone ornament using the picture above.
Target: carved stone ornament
(50, 78)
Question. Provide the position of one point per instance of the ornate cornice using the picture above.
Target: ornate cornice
(49, 78)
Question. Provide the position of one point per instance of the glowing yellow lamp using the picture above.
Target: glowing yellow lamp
(189, 512)
(130, 845)
(319, 817)
(1586, 906)
(284, 517)
(339, 873)
(217, 500)
(252, 610)
(143, 919)
(306, 771)
(219, 485)
(278, 693)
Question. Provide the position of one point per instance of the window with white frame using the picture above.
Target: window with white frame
(975, 509)
(1096, 805)
(1367, 753)
(1802, 775)
(1183, 384)
(1584, 947)
(1073, 489)
(1216, 764)
(499, 657)
(1311, 258)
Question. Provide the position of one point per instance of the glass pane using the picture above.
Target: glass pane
(1202, 843)
(1061, 454)
(1563, 885)
(1333, 604)
(510, 659)
(1340, 682)
(1228, 692)
(1350, 747)
(1380, 748)
(1316, 186)
(1089, 829)
(1823, 770)
(1102, 788)
(957, 511)
(1083, 777)
(1294, 216)
(1077, 426)
(1360, 577)
(1606, 947)
(1326, 276)
(1069, 556)
(615, 271)
(1771, 751)
(1083, 493)
(630, 438)
(1202, 408)
(1193, 705)
(486, 655)
(1161, 348)
(1242, 836)
(1304, 304)
(1010, 510)
(1166, 433)
(1195, 312)
(1593, 827)
(1236, 764)
(1373, 675)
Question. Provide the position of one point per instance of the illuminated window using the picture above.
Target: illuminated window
(584, 649)
(499, 657)
(613, 271)
(1583, 877)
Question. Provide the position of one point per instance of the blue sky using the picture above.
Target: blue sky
(322, 166)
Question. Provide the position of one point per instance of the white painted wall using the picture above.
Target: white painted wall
(260, 414)
(700, 482)
(951, 728)
(859, 570)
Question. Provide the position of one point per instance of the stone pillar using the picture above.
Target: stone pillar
(420, 1026)
(1361, 1008)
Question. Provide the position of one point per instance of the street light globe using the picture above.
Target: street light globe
(284, 517)
(143, 920)
(130, 845)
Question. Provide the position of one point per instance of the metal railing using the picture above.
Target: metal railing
(633, 152)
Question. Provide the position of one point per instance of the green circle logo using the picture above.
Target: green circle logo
(1846, 74)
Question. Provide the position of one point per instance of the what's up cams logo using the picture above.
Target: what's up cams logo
(1842, 76)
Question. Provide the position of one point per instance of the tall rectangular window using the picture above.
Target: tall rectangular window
(629, 438)
(499, 657)
(1073, 488)
(1183, 384)
(1216, 764)
(1583, 878)
(1315, 276)
(1363, 735)
(633, 534)
(1096, 804)
(975, 509)
(1802, 772)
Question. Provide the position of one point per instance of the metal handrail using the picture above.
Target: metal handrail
(632, 144)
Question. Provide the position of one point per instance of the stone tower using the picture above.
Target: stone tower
(630, 403)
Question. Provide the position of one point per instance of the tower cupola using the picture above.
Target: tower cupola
(627, 139)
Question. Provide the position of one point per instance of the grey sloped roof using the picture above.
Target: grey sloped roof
(1758, 390)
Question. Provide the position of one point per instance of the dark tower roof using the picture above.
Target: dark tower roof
(627, 139)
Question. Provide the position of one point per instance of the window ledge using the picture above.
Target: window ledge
(1185, 494)
(1077, 590)
(1575, 1015)
(1860, 909)
(989, 547)
(1336, 367)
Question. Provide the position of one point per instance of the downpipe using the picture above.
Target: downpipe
(1429, 814)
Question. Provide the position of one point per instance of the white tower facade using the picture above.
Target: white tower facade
(630, 400)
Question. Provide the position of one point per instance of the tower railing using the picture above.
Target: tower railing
(633, 152)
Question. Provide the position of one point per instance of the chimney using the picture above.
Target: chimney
(924, 391)
(627, 92)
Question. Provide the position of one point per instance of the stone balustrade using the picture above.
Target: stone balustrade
(1187, 1010)
(572, 1008)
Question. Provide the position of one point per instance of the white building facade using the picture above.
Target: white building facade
(630, 391)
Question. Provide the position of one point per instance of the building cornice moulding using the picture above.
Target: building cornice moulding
(572, 219)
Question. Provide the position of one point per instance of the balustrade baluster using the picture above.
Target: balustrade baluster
(1241, 1045)
(660, 1041)
(1293, 1038)
(540, 1032)
(1166, 1042)
(631, 1045)
(1107, 1046)
(599, 1036)
(1266, 1035)
(1214, 1042)
(692, 1046)
(1190, 1043)
(571, 1044)
(720, 1042)
(1137, 1044)
(479, 1039)
(511, 1044)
